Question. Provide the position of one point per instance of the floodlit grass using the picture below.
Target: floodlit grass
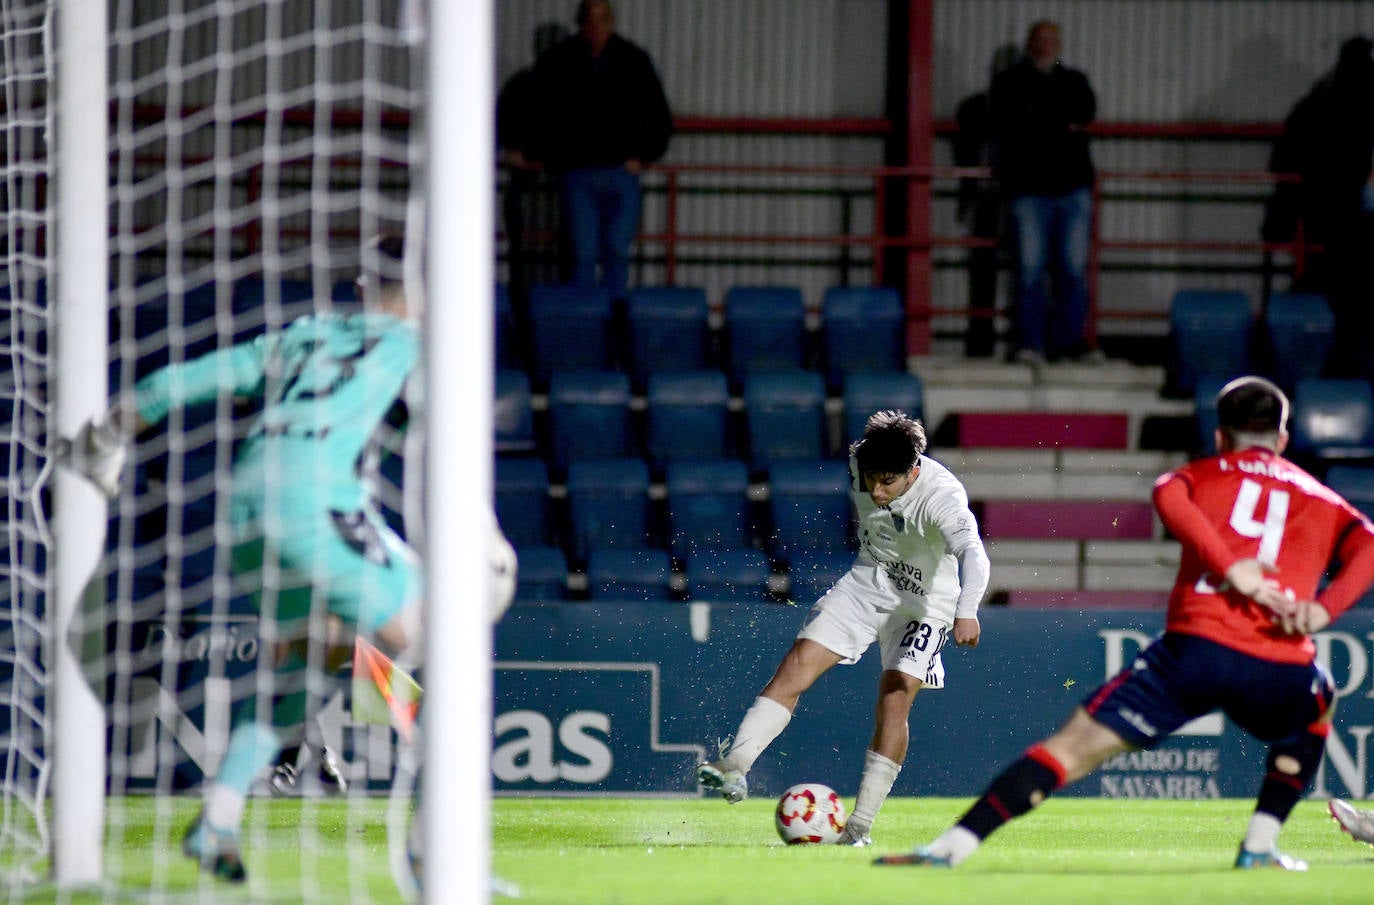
(624, 852)
(684, 851)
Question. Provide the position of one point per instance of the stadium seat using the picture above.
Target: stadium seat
(1332, 419)
(251, 297)
(1301, 330)
(866, 393)
(708, 504)
(509, 354)
(513, 416)
(687, 416)
(523, 504)
(608, 504)
(811, 573)
(784, 416)
(569, 330)
(765, 329)
(629, 573)
(1355, 483)
(669, 330)
(192, 312)
(541, 573)
(1205, 412)
(810, 506)
(1210, 333)
(729, 575)
(863, 329)
(589, 416)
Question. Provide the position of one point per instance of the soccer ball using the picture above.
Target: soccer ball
(810, 814)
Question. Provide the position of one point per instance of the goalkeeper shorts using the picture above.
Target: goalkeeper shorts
(304, 565)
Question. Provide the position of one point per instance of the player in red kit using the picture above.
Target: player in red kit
(1258, 534)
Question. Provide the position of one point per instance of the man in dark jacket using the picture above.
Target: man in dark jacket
(1328, 140)
(603, 117)
(1040, 109)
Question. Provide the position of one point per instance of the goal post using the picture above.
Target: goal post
(184, 177)
(81, 343)
(459, 460)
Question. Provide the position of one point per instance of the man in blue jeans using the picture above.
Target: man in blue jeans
(1040, 109)
(602, 118)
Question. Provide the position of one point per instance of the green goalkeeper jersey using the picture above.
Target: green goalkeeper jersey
(326, 384)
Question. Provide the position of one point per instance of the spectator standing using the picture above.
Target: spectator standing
(603, 117)
(1040, 111)
(529, 205)
(1328, 140)
(980, 206)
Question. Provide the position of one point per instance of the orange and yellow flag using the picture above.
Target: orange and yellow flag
(383, 693)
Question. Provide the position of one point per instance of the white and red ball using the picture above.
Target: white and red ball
(810, 813)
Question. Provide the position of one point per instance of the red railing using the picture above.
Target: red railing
(917, 248)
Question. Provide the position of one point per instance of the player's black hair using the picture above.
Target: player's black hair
(1252, 405)
(891, 444)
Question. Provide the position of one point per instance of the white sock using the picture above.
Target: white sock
(1263, 832)
(879, 775)
(763, 721)
(223, 806)
(955, 843)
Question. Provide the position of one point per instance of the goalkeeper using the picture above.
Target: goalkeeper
(307, 537)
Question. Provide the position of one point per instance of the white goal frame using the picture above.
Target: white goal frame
(460, 276)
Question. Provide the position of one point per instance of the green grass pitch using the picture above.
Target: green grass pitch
(559, 851)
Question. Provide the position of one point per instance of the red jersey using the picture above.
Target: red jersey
(1256, 504)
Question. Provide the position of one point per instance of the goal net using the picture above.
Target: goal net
(256, 147)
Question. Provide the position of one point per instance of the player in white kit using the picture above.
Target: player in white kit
(919, 577)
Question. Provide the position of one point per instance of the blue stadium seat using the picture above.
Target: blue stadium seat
(250, 299)
(509, 354)
(1205, 412)
(1332, 419)
(810, 506)
(523, 505)
(193, 313)
(729, 575)
(687, 416)
(811, 573)
(669, 330)
(513, 415)
(784, 415)
(569, 329)
(765, 328)
(1210, 333)
(865, 394)
(1355, 483)
(608, 504)
(541, 573)
(863, 328)
(589, 416)
(1301, 331)
(629, 573)
(708, 504)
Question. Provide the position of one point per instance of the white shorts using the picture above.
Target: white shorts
(909, 639)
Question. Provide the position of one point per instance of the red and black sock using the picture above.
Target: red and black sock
(1020, 787)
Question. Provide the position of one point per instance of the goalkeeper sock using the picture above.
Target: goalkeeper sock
(763, 721)
(1020, 787)
(878, 777)
(252, 746)
(1289, 769)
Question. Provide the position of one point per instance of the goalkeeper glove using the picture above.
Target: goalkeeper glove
(98, 453)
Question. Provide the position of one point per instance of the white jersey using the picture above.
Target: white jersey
(923, 549)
